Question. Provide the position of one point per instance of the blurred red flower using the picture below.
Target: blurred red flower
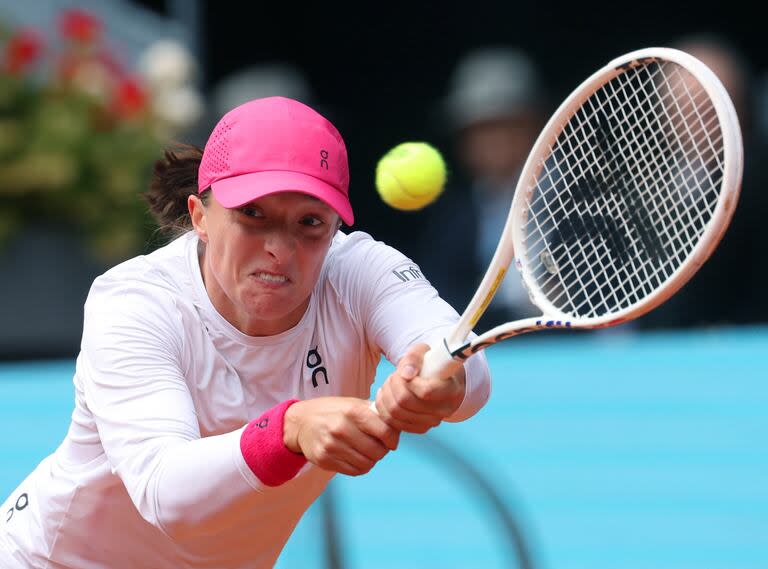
(129, 98)
(22, 50)
(61, 131)
(80, 26)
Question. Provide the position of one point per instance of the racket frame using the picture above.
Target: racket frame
(442, 361)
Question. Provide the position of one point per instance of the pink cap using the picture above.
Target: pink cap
(275, 145)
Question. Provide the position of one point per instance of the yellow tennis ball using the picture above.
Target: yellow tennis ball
(410, 176)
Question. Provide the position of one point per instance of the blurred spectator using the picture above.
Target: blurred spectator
(267, 79)
(729, 287)
(495, 109)
(257, 81)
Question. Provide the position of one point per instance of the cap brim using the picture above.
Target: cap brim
(240, 190)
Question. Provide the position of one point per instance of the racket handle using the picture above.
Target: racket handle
(438, 363)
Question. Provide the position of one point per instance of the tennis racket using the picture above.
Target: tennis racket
(625, 194)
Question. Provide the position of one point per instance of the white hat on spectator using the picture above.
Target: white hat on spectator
(259, 81)
(491, 83)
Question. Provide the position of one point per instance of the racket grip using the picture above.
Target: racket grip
(439, 363)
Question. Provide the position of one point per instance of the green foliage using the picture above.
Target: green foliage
(77, 143)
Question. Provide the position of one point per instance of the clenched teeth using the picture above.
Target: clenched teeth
(272, 278)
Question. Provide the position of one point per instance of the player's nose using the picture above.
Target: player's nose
(281, 245)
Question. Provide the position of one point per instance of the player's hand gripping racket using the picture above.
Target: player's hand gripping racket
(627, 191)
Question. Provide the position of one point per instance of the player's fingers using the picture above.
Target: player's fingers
(376, 426)
(370, 437)
(341, 466)
(403, 419)
(402, 395)
(410, 364)
(361, 454)
(395, 401)
(368, 446)
(419, 427)
(363, 431)
(431, 390)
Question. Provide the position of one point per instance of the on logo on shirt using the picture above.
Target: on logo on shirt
(21, 502)
(314, 362)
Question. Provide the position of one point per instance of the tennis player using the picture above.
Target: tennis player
(224, 378)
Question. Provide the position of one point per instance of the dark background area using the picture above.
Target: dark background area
(379, 69)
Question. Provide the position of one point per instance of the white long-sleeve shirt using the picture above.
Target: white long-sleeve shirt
(150, 473)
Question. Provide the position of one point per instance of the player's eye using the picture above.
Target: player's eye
(311, 221)
(250, 211)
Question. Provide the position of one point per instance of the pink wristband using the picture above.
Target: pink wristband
(264, 451)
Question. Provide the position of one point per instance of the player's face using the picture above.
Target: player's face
(262, 260)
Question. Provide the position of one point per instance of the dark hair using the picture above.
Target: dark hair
(174, 179)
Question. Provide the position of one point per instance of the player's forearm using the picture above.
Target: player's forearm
(198, 484)
(477, 388)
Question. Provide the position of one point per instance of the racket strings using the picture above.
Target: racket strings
(644, 266)
(657, 207)
(633, 173)
(614, 201)
(626, 191)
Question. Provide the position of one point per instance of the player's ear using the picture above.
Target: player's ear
(197, 215)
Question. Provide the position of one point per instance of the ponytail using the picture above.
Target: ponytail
(174, 179)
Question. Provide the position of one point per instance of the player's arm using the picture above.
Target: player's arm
(401, 310)
(133, 379)
(409, 316)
